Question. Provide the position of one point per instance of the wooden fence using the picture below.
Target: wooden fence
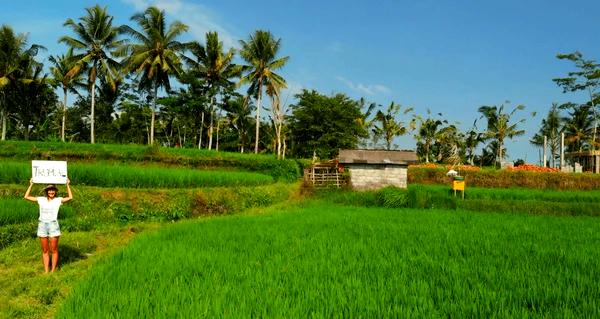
(324, 175)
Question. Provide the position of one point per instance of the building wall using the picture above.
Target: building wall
(364, 177)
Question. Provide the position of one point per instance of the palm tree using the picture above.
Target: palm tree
(578, 126)
(390, 127)
(215, 67)
(34, 97)
(428, 133)
(14, 59)
(499, 126)
(449, 143)
(551, 128)
(586, 78)
(472, 139)
(366, 121)
(95, 41)
(60, 69)
(157, 54)
(238, 114)
(260, 52)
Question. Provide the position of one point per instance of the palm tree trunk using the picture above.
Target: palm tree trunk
(64, 116)
(500, 153)
(595, 119)
(3, 116)
(471, 156)
(201, 127)
(279, 141)
(153, 113)
(210, 127)
(257, 118)
(217, 145)
(92, 115)
(283, 151)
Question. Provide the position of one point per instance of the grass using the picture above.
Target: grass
(16, 211)
(93, 207)
(512, 200)
(281, 170)
(29, 293)
(322, 260)
(136, 176)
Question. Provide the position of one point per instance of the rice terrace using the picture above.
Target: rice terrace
(299, 159)
(282, 250)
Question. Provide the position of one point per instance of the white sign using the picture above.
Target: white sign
(49, 172)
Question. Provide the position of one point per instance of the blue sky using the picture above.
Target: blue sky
(446, 56)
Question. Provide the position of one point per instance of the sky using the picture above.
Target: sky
(449, 57)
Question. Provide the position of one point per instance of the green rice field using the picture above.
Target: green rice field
(16, 211)
(317, 259)
(137, 176)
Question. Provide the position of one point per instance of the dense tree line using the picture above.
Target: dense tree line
(139, 83)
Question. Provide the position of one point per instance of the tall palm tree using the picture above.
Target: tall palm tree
(95, 42)
(33, 96)
(472, 139)
(215, 67)
(578, 127)
(61, 65)
(157, 54)
(260, 52)
(551, 128)
(238, 113)
(449, 143)
(366, 121)
(500, 127)
(390, 127)
(428, 134)
(14, 59)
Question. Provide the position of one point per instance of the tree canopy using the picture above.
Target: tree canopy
(324, 124)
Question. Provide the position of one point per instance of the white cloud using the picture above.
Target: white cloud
(368, 89)
(199, 18)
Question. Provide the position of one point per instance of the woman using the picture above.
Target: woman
(48, 228)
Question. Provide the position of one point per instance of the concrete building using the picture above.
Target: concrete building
(374, 169)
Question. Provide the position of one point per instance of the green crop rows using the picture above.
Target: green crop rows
(136, 176)
(326, 260)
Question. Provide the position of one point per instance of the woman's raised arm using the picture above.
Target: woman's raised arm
(27, 196)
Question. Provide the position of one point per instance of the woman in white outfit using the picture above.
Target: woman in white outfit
(48, 228)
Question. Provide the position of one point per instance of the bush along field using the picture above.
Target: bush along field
(319, 259)
(494, 178)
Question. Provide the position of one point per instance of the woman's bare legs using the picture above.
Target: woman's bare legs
(54, 250)
(45, 253)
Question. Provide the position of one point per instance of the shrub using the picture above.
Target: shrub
(492, 178)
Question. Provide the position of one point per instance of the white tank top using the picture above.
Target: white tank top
(49, 208)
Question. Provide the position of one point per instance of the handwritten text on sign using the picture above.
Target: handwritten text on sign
(49, 172)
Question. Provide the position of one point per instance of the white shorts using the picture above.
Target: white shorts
(48, 229)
